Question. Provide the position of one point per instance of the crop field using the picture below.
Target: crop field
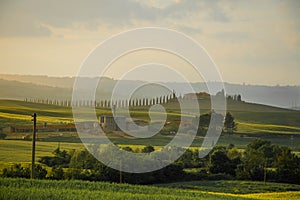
(251, 117)
(267, 128)
(20, 151)
(46, 189)
(253, 120)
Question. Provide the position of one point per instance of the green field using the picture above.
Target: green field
(253, 120)
(233, 187)
(12, 111)
(46, 189)
(20, 151)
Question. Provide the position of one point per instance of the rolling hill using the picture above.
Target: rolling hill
(251, 118)
(33, 86)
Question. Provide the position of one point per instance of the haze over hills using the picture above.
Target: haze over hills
(32, 86)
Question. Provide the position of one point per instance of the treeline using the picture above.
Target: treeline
(236, 97)
(260, 161)
(123, 103)
(106, 103)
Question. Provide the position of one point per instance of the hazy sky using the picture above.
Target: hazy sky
(256, 42)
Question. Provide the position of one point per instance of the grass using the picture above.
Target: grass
(13, 111)
(234, 187)
(274, 195)
(244, 127)
(20, 151)
(253, 120)
(274, 124)
(47, 189)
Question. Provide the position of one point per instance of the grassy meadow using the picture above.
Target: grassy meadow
(250, 117)
(280, 126)
(47, 189)
(252, 120)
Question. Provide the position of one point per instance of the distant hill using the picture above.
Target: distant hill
(20, 91)
(62, 82)
(27, 86)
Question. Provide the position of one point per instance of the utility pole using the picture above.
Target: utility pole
(33, 145)
(120, 170)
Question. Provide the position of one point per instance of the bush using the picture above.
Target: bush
(2, 136)
(17, 171)
(60, 158)
(148, 149)
(216, 177)
(57, 173)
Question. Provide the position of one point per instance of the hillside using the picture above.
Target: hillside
(19, 90)
(29, 86)
(251, 118)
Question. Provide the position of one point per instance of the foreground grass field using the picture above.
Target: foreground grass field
(233, 187)
(45, 189)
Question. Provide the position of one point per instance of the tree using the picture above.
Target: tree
(128, 149)
(229, 124)
(202, 123)
(252, 166)
(2, 136)
(219, 162)
(148, 149)
(239, 98)
(257, 154)
(258, 143)
(61, 158)
(288, 166)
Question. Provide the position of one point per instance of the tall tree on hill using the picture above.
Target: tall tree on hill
(229, 124)
(239, 98)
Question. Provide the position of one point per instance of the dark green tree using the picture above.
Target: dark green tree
(2, 136)
(239, 97)
(60, 158)
(257, 155)
(252, 167)
(128, 149)
(288, 166)
(148, 149)
(219, 162)
(229, 123)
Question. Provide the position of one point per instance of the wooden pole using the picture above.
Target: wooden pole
(33, 146)
(120, 170)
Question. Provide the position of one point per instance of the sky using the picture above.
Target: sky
(251, 42)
